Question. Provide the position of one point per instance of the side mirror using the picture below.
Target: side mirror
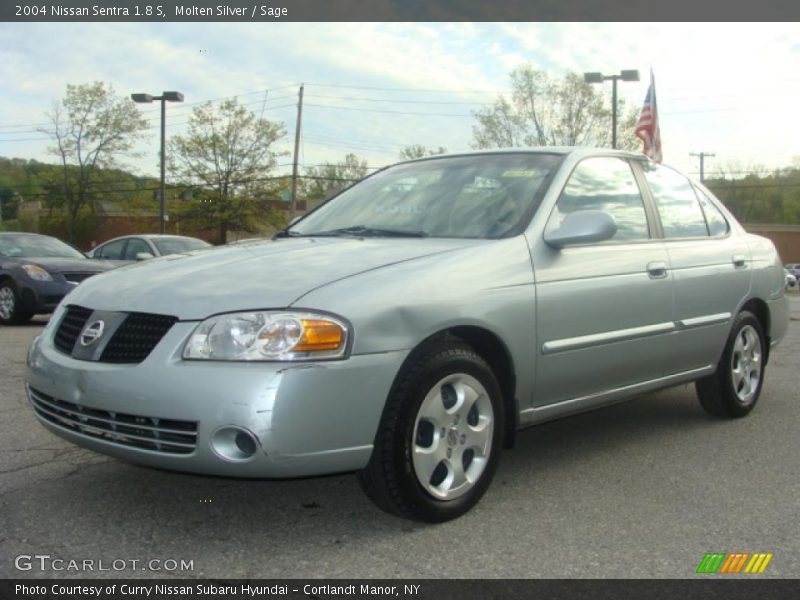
(144, 256)
(582, 227)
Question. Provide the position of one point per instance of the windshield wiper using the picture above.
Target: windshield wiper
(285, 233)
(362, 231)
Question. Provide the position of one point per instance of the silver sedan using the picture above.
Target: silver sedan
(407, 328)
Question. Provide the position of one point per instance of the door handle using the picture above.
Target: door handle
(657, 269)
(739, 260)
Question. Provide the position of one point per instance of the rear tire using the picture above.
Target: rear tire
(440, 436)
(734, 388)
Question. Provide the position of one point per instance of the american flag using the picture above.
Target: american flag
(647, 128)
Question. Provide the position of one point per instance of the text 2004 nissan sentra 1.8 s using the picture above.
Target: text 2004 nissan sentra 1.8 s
(409, 326)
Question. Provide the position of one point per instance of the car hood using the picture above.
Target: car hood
(55, 264)
(272, 274)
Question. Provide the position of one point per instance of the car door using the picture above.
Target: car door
(602, 309)
(113, 251)
(135, 247)
(710, 266)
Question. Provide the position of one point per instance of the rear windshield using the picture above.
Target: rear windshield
(176, 245)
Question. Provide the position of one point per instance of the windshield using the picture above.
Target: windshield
(481, 196)
(176, 245)
(35, 246)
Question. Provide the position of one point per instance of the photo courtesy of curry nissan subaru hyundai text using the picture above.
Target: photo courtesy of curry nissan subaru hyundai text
(409, 326)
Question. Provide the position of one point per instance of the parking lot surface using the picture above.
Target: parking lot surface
(640, 489)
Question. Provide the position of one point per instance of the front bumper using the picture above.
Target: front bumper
(42, 296)
(308, 418)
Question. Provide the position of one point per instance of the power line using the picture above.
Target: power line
(393, 112)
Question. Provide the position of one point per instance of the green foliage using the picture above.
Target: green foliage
(546, 111)
(323, 181)
(760, 197)
(419, 151)
(91, 129)
(228, 154)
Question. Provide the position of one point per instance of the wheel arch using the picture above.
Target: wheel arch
(491, 348)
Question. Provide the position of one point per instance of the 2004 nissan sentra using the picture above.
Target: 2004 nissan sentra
(409, 326)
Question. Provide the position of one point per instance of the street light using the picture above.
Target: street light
(164, 97)
(626, 75)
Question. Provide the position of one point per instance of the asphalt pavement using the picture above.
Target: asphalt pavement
(640, 489)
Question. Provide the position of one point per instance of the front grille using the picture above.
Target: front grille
(77, 277)
(131, 343)
(136, 337)
(70, 327)
(168, 436)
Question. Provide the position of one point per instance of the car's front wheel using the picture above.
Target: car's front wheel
(734, 389)
(10, 314)
(440, 436)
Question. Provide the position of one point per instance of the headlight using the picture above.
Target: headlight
(268, 335)
(37, 273)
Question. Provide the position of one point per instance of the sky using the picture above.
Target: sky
(729, 89)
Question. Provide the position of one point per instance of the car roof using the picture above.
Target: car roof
(150, 236)
(23, 233)
(576, 151)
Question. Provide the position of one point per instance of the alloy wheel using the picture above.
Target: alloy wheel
(746, 364)
(452, 436)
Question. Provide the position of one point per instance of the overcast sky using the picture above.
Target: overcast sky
(731, 89)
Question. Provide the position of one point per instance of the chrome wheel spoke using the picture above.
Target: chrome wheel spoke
(478, 437)
(6, 302)
(433, 408)
(426, 460)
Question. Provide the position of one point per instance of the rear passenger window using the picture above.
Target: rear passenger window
(717, 224)
(677, 204)
(605, 184)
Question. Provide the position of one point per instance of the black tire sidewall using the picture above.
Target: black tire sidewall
(428, 507)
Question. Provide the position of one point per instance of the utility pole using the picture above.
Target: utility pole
(296, 152)
(702, 156)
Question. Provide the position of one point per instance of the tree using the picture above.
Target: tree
(419, 151)
(91, 128)
(322, 181)
(229, 152)
(546, 111)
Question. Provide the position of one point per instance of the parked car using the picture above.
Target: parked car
(794, 269)
(407, 328)
(791, 280)
(131, 248)
(36, 272)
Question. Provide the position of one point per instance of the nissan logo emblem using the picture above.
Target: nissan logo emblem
(92, 333)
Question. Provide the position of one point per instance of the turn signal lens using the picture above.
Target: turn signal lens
(320, 335)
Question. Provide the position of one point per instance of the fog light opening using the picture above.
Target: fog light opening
(234, 443)
(245, 443)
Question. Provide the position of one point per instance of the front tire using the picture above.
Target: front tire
(734, 388)
(440, 437)
(10, 314)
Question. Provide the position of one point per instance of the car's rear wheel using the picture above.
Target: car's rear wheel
(440, 436)
(10, 314)
(734, 389)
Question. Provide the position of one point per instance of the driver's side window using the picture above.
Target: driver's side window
(607, 184)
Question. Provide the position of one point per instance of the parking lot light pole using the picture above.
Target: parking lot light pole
(164, 97)
(626, 75)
